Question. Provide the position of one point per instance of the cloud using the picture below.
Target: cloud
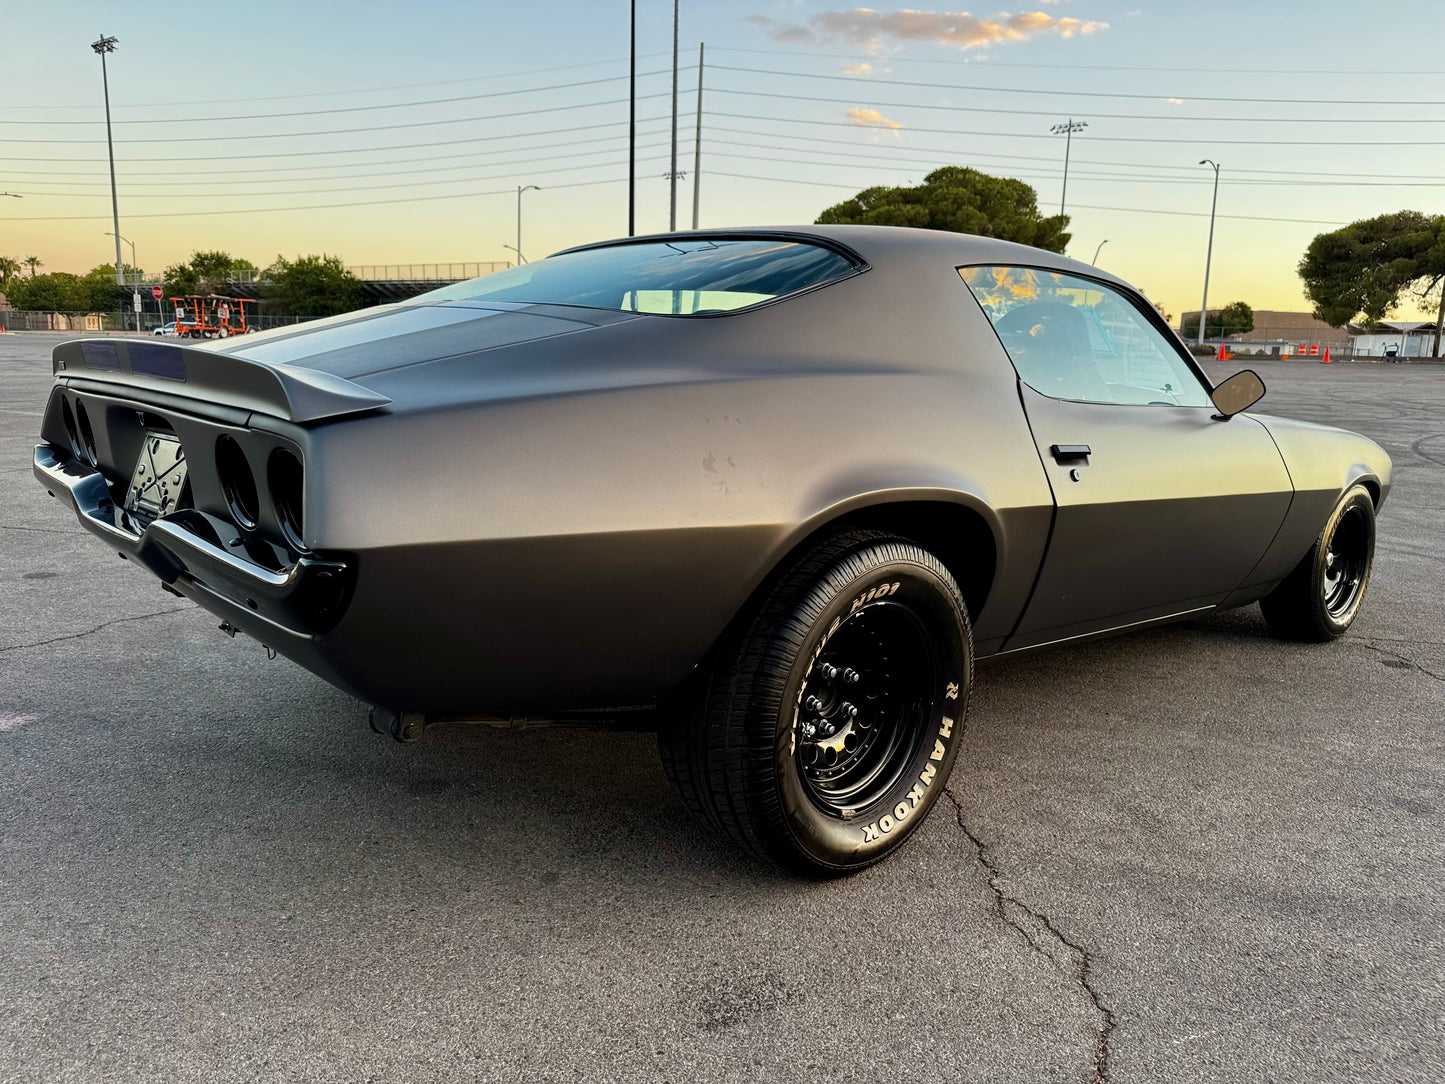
(871, 118)
(856, 69)
(871, 29)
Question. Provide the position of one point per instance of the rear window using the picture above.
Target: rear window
(674, 278)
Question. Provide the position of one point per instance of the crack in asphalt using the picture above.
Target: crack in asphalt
(38, 530)
(91, 631)
(1406, 664)
(1080, 959)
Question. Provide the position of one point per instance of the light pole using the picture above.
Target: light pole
(135, 266)
(1208, 252)
(697, 140)
(520, 189)
(520, 260)
(103, 45)
(1098, 250)
(632, 131)
(12, 195)
(1067, 130)
(672, 170)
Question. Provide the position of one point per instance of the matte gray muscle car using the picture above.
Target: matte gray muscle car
(784, 484)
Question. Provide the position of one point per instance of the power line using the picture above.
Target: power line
(1088, 207)
(351, 108)
(517, 168)
(184, 178)
(968, 159)
(348, 150)
(1090, 162)
(351, 131)
(989, 63)
(1210, 141)
(1092, 115)
(316, 206)
(1076, 93)
(357, 90)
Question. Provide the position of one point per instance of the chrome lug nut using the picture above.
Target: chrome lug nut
(851, 676)
(849, 710)
(814, 704)
(828, 670)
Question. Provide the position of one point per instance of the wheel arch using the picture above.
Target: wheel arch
(959, 529)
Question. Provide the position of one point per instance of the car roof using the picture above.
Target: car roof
(894, 247)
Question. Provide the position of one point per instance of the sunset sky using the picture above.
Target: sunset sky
(390, 133)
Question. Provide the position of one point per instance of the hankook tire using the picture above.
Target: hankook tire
(824, 726)
(1319, 600)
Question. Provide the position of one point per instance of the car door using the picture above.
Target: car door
(1160, 506)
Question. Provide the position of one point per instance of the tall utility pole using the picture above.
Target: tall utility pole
(632, 133)
(520, 189)
(1067, 130)
(102, 46)
(1208, 252)
(672, 172)
(697, 139)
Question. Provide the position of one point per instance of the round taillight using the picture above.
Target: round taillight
(87, 435)
(238, 484)
(285, 478)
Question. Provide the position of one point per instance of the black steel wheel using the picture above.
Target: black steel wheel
(828, 720)
(1321, 597)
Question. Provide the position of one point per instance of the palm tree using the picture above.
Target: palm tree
(32, 262)
(9, 268)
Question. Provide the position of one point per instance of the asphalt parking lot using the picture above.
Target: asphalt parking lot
(1191, 854)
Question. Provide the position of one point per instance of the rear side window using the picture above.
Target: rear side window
(674, 278)
(1073, 338)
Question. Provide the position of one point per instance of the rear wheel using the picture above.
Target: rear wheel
(825, 726)
(1320, 599)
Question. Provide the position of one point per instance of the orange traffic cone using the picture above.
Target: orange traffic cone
(1223, 354)
(1326, 359)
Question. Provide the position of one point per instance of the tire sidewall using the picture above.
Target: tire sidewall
(876, 830)
(1356, 496)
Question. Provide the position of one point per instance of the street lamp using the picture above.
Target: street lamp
(520, 259)
(133, 262)
(102, 46)
(12, 195)
(1098, 250)
(1067, 130)
(631, 130)
(1209, 252)
(520, 189)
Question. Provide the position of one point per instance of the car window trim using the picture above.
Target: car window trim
(858, 265)
(1134, 298)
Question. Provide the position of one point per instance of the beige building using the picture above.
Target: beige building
(1285, 327)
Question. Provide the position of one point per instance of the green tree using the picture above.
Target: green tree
(1364, 269)
(1236, 318)
(58, 291)
(310, 286)
(960, 200)
(34, 263)
(9, 268)
(204, 273)
(100, 292)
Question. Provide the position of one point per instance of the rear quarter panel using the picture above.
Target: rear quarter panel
(580, 526)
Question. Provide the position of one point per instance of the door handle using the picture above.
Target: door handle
(1069, 453)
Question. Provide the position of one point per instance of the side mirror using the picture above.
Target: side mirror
(1240, 392)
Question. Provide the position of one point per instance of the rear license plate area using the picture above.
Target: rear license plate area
(159, 478)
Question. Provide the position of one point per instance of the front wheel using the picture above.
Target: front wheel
(1321, 597)
(827, 721)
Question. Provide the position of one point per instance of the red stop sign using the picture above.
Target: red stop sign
(157, 292)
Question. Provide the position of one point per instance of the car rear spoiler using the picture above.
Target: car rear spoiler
(296, 394)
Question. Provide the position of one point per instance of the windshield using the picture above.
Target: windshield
(677, 278)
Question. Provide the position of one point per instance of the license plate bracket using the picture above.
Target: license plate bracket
(159, 477)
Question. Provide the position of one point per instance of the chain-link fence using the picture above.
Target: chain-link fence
(119, 321)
